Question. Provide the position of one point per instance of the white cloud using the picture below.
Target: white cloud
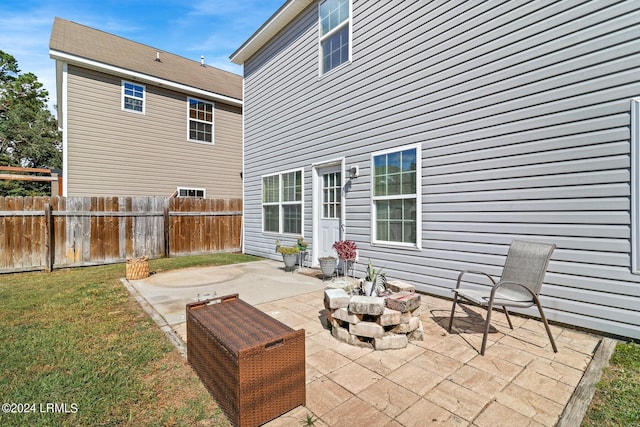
(25, 36)
(223, 63)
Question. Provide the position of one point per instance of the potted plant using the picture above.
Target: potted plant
(347, 251)
(302, 244)
(289, 255)
(373, 281)
(328, 266)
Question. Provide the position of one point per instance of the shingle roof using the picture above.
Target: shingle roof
(88, 43)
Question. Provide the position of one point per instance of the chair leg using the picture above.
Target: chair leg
(453, 310)
(546, 325)
(506, 313)
(486, 330)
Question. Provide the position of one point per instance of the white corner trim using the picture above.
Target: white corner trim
(635, 186)
(65, 132)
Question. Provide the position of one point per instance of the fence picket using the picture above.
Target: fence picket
(39, 252)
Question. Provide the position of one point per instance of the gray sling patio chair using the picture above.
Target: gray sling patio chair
(519, 285)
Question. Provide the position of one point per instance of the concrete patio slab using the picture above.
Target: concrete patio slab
(255, 282)
(442, 380)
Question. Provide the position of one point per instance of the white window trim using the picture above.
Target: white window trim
(213, 121)
(204, 191)
(635, 186)
(123, 96)
(321, 38)
(418, 197)
(263, 204)
(280, 203)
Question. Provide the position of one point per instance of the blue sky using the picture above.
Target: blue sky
(212, 28)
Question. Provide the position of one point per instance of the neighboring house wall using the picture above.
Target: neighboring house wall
(116, 152)
(135, 118)
(521, 113)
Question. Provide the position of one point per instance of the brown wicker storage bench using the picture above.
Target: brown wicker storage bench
(252, 364)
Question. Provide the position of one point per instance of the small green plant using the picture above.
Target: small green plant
(302, 244)
(376, 278)
(288, 250)
(372, 274)
(309, 420)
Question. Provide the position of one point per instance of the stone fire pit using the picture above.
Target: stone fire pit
(381, 323)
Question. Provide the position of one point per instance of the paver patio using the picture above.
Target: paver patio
(442, 380)
(439, 381)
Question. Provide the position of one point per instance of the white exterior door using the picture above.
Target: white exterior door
(329, 209)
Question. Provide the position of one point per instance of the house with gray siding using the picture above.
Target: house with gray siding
(434, 133)
(139, 121)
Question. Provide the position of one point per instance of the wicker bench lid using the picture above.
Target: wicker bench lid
(237, 325)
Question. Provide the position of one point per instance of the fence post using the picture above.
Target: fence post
(166, 232)
(49, 245)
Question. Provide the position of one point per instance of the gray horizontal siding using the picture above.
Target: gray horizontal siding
(522, 112)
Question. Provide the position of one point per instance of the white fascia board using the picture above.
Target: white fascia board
(110, 69)
(269, 29)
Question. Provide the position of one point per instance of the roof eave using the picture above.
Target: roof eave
(269, 29)
(111, 69)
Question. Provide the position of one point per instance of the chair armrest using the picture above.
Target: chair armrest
(482, 273)
(499, 284)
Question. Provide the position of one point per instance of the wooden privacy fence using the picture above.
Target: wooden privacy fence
(43, 233)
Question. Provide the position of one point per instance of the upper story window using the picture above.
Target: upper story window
(396, 197)
(335, 33)
(191, 192)
(133, 97)
(200, 120)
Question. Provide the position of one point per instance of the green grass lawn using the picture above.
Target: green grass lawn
(76, 349)
(616, 401)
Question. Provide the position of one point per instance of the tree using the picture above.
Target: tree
(29, 135)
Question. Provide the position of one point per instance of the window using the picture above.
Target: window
(335, 33)
(133, 97)
(282, 203)
(191, 192)
(331, 195)
(396, 198)
(200, 120)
